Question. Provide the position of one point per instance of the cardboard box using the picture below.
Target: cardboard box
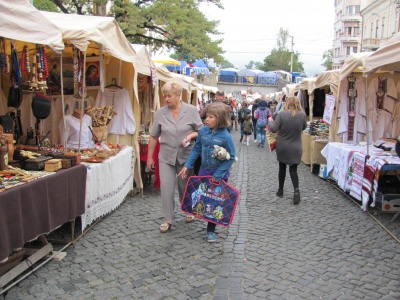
(52, 165)
(388, 202)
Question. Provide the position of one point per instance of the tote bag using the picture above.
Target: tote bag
(209, 201)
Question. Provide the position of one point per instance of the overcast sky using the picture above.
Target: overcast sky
(250, 29)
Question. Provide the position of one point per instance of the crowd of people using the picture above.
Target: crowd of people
(187, 136)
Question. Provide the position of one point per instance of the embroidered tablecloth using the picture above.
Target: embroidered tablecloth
(107, 185)
(350, 167)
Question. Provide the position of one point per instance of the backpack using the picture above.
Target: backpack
(242, 114)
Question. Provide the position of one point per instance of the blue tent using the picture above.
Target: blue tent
(270, 78)
(200, 67)
(179, 69)
(227, 75)
(248, 75)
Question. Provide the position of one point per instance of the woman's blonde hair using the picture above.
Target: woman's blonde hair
(172, 86)
(220, 111)
(293, 104)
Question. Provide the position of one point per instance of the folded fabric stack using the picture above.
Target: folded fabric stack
(320, 129)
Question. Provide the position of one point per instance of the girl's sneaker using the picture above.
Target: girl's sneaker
(211, 237)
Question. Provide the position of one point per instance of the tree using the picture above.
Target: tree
(46, 5)
(177, 25)
(280, 57)
(255, 64)
(226, 64)
(328, 59)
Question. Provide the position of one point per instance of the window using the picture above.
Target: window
(383, 27)
(376, 29)
(354, 49)
(348, 50)
(356, 31)
(372, 28)
(353, 10)
(348, 31)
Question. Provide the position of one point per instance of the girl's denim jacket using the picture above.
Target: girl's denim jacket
(204, 146)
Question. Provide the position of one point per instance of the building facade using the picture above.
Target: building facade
(362, 25)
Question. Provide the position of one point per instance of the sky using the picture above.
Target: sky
(250, 29)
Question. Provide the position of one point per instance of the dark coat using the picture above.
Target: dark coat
(289, 147)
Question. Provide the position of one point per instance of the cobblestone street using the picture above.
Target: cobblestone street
(323, 248)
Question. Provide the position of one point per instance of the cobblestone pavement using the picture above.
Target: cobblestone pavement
(323, 248)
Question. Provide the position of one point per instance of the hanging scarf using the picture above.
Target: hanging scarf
(16, 72)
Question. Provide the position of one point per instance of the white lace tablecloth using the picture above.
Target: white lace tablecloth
(107, 185)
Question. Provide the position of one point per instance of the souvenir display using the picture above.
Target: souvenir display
(210, 201)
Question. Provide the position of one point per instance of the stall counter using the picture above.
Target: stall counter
(107, 185)
(40, 206)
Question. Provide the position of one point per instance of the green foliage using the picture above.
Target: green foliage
(280, 57)
(255, 64)
(46, 5)
(177, 25)
(226, 64)
(328, 59)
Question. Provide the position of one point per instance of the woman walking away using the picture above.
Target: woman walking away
(177, 123)
(214, 133)
(289, 124)
(247, 129)
(261, 114)
(243, 112)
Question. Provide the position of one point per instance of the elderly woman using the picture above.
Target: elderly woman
(177, 123)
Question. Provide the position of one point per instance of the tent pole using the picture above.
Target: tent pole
(64, 142)
(83, 99)
(367, 114)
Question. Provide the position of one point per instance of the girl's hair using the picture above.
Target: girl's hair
(293, 104)
(245, 103)
(248, 117)
(220, 111)
(172, 86)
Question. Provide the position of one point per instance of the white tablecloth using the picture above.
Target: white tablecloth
(107, 185)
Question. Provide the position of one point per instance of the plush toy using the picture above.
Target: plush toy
(220, 153)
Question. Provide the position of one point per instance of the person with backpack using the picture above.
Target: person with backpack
(262, 114)
(243, 112)
(253, 109)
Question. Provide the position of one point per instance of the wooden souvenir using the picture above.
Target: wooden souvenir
(76, 155)
(67, 161)
(36, 164)
(52, 165)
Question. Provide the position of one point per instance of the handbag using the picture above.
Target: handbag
(271, 139)
(41, 106)
(210, 201)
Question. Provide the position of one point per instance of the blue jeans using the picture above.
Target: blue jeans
(261, 132)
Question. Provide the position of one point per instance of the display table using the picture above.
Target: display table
(357, 173)
(107, 185)
(40, 206)
(306, 143)
(316, 158)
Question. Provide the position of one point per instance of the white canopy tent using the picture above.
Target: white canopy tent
(19, 20)
(386, 58)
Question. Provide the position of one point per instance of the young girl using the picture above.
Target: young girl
(214, 133)
(247, 129)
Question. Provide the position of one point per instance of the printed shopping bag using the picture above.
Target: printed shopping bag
(209, 201)
(271, 139)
